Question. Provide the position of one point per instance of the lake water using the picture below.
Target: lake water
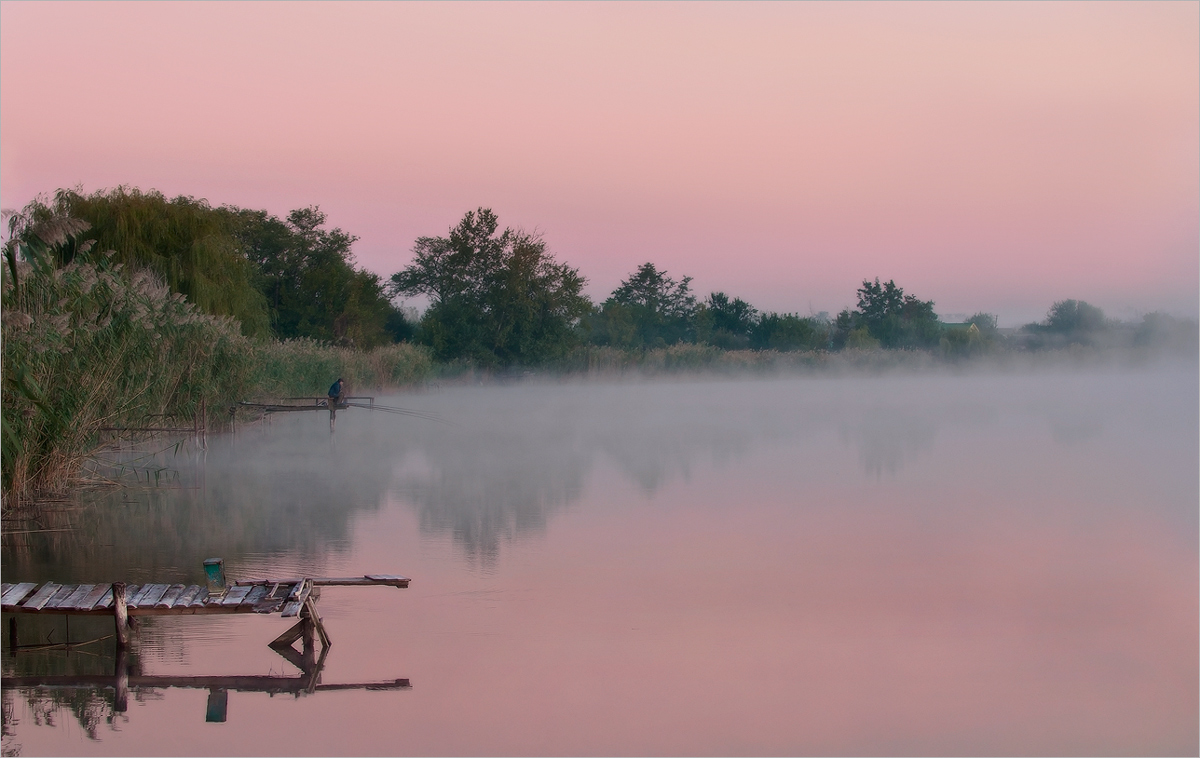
(933, 564)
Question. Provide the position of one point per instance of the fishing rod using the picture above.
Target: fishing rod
(398, 411)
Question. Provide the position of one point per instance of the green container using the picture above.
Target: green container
(214, 572)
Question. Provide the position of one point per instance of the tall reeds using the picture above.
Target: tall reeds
(92, 346)
(303, 366)
(85, 348)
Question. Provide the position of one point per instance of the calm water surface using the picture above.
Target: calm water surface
(869, 565)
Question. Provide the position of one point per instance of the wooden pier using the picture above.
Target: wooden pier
(299, 404)
(294, 597)
(292, 404)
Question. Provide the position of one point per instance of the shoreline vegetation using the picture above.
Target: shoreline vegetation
(122, 306)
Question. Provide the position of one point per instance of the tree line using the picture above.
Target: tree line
(279, 277)
(498, 297)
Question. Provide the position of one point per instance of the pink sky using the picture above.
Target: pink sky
(990, 157)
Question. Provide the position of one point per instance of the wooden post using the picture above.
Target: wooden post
(120, 614)
(12, 635)
(121, 699)
(315, 619)
(308, 628)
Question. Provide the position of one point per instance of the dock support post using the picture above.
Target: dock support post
(315, 619)
(201, 423)
(12, 635)
(120, 615)
(309, 653)
(121, 699)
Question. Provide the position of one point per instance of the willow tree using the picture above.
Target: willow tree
(183, 240)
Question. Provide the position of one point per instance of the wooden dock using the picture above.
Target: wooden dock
(293, 404)
(290, 597)
(304, 404)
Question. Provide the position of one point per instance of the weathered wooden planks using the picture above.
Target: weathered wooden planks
(366, 580)
(106, 600)
(296, 598)
(170, 596)
(133, 592)
(187, 596)
(235, 595)
(149, 595)
(42, 596)
(394, 580)
(88, 601)
(64, 592)
(292, 597)
(15, 593)
(256, 594)
(81, 591)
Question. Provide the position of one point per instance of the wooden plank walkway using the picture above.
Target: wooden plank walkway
(288, 404)
(291, 597)
(283, 596)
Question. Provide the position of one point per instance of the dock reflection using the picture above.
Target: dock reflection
(99, 697)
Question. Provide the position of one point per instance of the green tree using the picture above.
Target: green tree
(1074, 317)
(893, 318)
(1068, 322)
(308, 277)
(789, 331)
(648, 310)
(498, 297)
(183, 240)
(725, 322)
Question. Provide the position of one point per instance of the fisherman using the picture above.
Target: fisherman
(335, 393)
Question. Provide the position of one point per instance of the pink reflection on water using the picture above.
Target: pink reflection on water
(780, 602)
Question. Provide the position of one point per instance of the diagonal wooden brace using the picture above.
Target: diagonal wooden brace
(294, 632)
(316, 620)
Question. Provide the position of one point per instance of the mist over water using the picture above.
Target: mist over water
(896, 564)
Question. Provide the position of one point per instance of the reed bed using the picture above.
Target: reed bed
(304, 366)
(85, 348)
(88, 347)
